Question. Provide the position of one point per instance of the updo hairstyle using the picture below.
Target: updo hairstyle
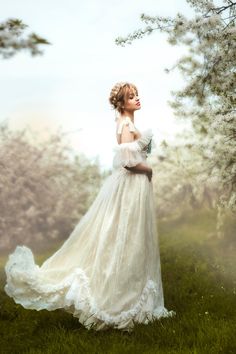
(119, 95)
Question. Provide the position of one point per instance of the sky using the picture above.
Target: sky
(68, 87)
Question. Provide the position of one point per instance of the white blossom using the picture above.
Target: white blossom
(209, 96)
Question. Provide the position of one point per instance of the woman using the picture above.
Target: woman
(107, 273)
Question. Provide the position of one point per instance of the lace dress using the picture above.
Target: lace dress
(107, 273)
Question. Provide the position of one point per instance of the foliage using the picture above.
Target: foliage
(44, 189)
(209, 96)
(12, 40)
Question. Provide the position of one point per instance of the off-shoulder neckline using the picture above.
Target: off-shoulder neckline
(129, 142)
(142, 133)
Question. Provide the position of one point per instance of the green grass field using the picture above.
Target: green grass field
(199, 282)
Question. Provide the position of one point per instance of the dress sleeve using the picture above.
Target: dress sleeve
(146, 138)
(127, 154)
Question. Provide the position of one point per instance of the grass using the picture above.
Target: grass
(199, 282)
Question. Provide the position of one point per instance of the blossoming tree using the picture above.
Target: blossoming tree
(44, 188)
(209, 96)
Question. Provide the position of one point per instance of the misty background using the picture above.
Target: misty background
(69, 85)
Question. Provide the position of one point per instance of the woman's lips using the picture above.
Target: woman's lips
(138, 104)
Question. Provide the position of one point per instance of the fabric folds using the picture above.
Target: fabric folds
(107, 273)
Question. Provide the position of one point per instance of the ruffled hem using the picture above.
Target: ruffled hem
(27, 285)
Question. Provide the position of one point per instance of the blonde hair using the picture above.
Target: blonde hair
(119, 94)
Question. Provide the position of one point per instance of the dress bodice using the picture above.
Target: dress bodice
(131, 153)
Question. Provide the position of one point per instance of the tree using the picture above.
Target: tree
(209, 96)
(179, 184)
(12, 40)
(44, 189)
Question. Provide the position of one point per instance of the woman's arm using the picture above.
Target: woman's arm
(128, 136)
(142, 169)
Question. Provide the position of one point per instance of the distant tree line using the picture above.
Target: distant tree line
(44, 188)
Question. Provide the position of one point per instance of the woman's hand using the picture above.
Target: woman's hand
(149, 175)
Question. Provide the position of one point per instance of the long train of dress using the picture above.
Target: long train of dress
(107, 273)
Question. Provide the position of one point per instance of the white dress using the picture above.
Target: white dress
(107, 273)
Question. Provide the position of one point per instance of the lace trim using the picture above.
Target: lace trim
(132, 153)
(73, 294)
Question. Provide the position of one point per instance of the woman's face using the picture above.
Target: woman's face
(132, 102)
